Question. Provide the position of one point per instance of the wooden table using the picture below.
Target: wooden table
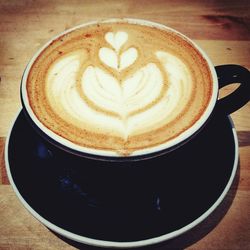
(221, 28)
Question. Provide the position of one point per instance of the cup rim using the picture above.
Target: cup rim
(99, 153)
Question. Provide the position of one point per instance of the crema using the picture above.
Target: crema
(119, 86)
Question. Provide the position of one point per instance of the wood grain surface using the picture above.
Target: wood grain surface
(221, 28)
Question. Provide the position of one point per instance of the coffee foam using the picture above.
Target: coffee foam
(120, 87)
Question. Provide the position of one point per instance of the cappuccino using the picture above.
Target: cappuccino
(119, 87)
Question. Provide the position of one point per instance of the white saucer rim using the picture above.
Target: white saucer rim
(113, 244)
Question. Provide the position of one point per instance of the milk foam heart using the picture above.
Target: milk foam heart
(116, 40)
(120, 87)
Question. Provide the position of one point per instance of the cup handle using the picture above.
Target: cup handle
(228, 74)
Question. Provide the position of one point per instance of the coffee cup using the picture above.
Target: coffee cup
(111, 99)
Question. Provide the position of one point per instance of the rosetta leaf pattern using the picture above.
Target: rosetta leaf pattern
(109, 57)
(128, 58)
(122, 97)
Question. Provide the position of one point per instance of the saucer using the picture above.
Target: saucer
(195, 179)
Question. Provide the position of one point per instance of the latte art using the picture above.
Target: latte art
(119, 87)
(112, 57)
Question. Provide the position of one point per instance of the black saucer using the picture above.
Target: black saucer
(195, 179)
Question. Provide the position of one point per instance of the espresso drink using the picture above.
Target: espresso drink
(119, 86)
